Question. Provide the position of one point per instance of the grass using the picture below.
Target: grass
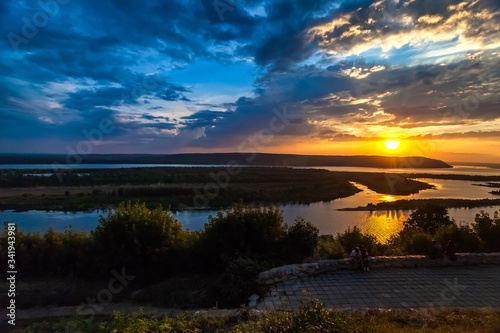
(311, 317)
(180, 292)
(56, 292)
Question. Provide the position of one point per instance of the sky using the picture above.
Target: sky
(300, 77)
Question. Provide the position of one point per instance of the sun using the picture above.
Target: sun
(391, 145)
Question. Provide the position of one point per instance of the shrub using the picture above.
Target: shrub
(429, 218)
(351, 238)
(241, 232)
(55, 253)
(328, 248)
(465, 239)
(300, 241)
(140, 238)
(412, 241)
(238, 281)
(488, 230)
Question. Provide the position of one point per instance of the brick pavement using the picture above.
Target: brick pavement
(469, 286)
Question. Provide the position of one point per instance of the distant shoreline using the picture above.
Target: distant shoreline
(251, 159)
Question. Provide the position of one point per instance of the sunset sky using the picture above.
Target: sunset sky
(283, 76)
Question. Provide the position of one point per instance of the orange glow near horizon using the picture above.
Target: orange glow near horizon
(387, 198)
(446, 150)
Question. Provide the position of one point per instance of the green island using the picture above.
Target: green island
(187, 187)
(211, 187)
(416, 203)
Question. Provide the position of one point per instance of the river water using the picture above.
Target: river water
(324, 215)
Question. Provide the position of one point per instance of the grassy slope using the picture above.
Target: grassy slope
(311, 317)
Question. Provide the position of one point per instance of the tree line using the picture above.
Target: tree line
(234, 246)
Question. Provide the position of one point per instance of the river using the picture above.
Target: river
(324, 215)
(456, 170)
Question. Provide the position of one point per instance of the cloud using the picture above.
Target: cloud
(173, 95)
(154, 118)
(332, 70)
(204, 118)
(389, 24)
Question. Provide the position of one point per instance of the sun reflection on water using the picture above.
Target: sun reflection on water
(384, 224)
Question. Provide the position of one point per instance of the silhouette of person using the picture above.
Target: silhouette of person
(356, 258)
(451, 251)
(364, 258)
(437, 251)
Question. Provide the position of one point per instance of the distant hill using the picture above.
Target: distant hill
(225, 158)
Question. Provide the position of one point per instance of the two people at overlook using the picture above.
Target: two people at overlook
(438, 253)
(359, 257)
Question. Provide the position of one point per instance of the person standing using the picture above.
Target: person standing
(451, 251)
(364, 258)
(437, 251)
(356, 258)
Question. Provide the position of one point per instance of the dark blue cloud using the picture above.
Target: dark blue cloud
(173, 94)
(204, 118)
(154, 118)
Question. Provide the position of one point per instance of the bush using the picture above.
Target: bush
(241, 232)
(352, 238)
(140, 238)
(238, 281)
(412, 241)
(328, 248)
(300, 241)
(465, 239)
(429, 218)
(311, 317)
(488, 230)
(55, 253)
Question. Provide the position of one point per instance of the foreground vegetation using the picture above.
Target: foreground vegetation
(311, 317)
(217, 266)
(183, 188)
(151, 245)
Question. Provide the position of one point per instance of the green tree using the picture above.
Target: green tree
(142, 238)
(328, 248)
(488, 230)
(238, 281)
(412, 241)
(301, 240)
(464, 237)
(241, 231)
(429, 218)
(351, 238)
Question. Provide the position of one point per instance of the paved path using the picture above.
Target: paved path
(472, 286)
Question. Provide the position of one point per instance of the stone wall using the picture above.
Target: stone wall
(290, 272)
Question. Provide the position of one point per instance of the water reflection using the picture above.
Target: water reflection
(324, 215)
(384, 224)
